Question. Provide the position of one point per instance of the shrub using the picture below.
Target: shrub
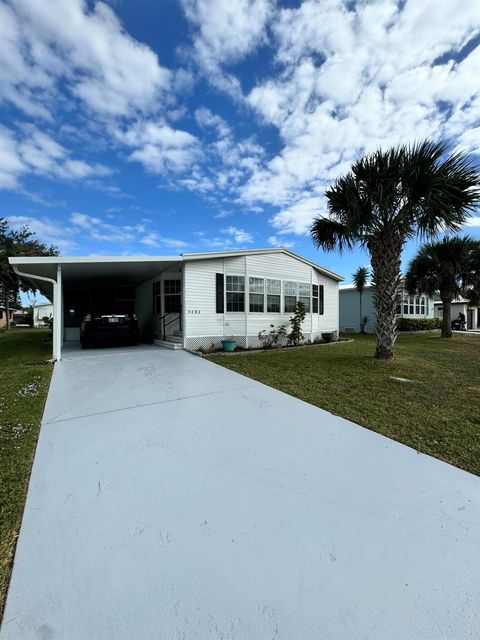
(271, 338)
(295, 337)
(418, 324)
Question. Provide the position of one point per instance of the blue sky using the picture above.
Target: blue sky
(157, 127)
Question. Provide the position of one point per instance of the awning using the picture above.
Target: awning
(94, 270)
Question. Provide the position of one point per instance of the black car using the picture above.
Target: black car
(109, 328)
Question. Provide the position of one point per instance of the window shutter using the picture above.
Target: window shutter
(219, 292)
(320, 299)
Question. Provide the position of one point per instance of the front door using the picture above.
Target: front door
(167, 306)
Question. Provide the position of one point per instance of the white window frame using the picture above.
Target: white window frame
(257, 293)
(227, 291)
(277, 295)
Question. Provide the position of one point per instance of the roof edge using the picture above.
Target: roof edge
(269, 250)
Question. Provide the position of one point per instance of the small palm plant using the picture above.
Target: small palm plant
(360, 280)
(450, 268)
(389, 197)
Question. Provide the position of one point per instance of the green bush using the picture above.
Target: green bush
(272, 338)
(296, 337)
(418, 324)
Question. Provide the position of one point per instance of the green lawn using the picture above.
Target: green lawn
(438, 412)
(24, 381)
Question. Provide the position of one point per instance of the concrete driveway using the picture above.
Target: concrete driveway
(174, 499)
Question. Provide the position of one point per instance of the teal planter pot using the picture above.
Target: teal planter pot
(229, 345)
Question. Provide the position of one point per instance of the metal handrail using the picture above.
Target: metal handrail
(166, 324)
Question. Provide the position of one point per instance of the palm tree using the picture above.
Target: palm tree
(450, 268)
(360, 280)
(389, 197)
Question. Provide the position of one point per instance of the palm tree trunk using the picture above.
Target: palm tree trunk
(447, 319)
(386, 257)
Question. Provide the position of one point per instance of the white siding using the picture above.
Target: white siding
(204, 326)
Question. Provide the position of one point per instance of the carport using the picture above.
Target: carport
(74, 284)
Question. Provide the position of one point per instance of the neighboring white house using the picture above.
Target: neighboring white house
(409, 307)
(460, 305)
(195, 299)
(40, 311)
(3, 316)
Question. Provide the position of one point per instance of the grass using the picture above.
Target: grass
(24, 382)
(437, 413)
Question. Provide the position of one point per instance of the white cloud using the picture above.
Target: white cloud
(44, 43)
(225, 33)
(153, 239)
(238, 235)
(160, 148)
(275, 241)
(473, 221)
(98, 229)
(34, 151)
(351, 78)
(298, 217)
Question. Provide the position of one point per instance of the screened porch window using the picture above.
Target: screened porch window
(173, 297)
(256, 288)
(235, 293)
(290, 296)
(304, 290)
(274, 291)
(315, 298)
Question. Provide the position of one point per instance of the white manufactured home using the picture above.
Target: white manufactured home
(415, 307)
(461, 305)
(193, 300)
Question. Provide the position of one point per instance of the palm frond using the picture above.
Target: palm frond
(329, 234)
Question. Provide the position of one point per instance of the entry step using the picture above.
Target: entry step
(169, 344)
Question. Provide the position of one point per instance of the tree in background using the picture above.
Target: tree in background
(16, 243)
(450, 268)
(389, 197)
(360, 280)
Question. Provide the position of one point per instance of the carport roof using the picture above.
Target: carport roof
(82, 270)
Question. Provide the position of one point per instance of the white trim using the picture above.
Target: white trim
(92, 259)
(58, 315)
(208, 255)
(56, 355)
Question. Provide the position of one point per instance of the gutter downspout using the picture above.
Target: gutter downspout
(56, 347)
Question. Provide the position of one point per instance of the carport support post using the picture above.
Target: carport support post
(57, 316)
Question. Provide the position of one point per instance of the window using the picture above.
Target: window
(417, 306)
(314, 298)
(304, 290)
(172, 294)
(157, 299)
(422, 305)
(290, 296)
(235, 290)
(321, 299)
(274, 291)
(256, 288)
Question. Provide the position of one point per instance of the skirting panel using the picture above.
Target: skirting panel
(206, 342)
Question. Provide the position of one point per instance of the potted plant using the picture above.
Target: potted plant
(229, 344)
